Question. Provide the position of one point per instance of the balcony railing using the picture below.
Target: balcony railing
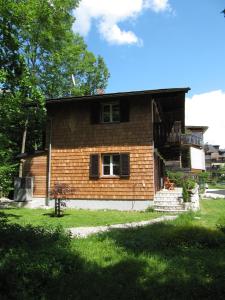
(184, 139)
(162, 137)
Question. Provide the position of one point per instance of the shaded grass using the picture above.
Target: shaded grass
(183, 259)
(75, 218)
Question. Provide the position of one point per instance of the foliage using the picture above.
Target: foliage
(185, 194)
(176, 177)
(203, 177)
(182, 180)
(41, 35)
(221, 224)
(190, 183)
(60, 193)
(7, 173)
(39, 53)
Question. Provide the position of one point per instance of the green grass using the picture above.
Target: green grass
(217, 186)
(211, 211)
(75, 218)
(182, 259)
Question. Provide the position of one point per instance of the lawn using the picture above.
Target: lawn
(75, 218)
(182, 259)
(217, 186)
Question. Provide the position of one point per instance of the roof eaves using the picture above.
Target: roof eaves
(113, 95)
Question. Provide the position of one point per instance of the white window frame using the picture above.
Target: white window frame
(111, 165)
(111, 104)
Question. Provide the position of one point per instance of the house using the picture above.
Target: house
(214, 157)
(195, 147)
(110, 149)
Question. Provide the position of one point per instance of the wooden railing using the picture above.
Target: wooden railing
(184, 139)
(161, 137)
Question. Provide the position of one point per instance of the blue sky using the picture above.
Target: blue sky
(150, 44)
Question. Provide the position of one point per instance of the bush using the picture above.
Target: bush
(7, 173)
(176, 177)
(190, 183)
(221, 224)
(182, 180)
(203, 177)
(185, 194)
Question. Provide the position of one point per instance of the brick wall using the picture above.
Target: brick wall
(74, 138)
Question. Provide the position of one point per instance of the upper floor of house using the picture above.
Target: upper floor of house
(130, 118)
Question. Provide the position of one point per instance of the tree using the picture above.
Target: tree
(39, 53)
(51, 50)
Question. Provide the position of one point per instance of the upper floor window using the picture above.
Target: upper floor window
(110, 112)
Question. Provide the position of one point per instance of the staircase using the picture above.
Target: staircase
(169, 201)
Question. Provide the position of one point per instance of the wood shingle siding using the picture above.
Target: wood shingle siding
(36, 167)
(78, 144)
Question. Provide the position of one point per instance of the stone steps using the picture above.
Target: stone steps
(169, 201)
(171, 211)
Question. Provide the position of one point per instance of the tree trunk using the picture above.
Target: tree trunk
(23, 147)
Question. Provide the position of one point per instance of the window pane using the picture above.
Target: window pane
(106, 117)
(106, 108)
(106, 159)
(115, 113)
(116, 170)
(116, 159)
(106, 170)
(116, 117)
(115, 108)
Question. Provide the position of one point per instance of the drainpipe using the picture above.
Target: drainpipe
(49, 163)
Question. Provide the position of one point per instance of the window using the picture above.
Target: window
(111, 165)
(115, 164)
(110, 112)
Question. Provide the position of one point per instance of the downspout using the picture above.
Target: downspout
(153, 142)
(49, 164)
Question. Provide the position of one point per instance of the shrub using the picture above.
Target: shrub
(182, 180)
(203, 177)
(221, 224)
(7, 173)
(185, 194)
(176, 177)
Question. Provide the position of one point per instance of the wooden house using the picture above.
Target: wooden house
(110, 149)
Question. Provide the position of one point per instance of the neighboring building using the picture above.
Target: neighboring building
(214, 156)
(197, 153)
(111, 149)
(192, 157)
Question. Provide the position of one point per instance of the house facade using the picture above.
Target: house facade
(110, 149)
(214, 157)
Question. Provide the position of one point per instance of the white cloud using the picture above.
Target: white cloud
(109, 13)
(208, 109)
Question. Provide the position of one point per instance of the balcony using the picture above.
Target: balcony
(163, 136)
(184, 139)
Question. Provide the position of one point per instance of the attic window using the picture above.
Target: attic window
(110, 112)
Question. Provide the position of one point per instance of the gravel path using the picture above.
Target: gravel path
(214, 193)
(83, 232)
